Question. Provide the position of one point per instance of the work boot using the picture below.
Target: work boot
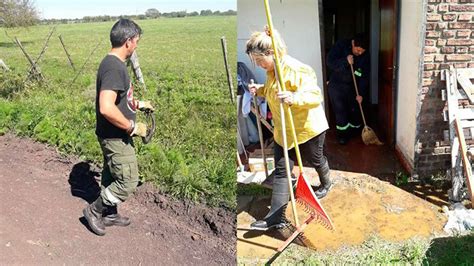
(112, 217)
(276, 217)
(93, 215)
(324, 177)
(342, 137)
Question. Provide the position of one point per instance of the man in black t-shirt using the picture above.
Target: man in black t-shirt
(116, 125)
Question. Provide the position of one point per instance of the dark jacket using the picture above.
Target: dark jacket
(340, 71)
(244, 75)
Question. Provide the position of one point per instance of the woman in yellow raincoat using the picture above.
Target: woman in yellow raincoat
(306, 100)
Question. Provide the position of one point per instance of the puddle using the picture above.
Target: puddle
(359, 205)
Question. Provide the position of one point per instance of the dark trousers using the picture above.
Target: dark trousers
(344, 105)
(311, 151)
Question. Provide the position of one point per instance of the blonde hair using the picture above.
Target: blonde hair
(260, 43)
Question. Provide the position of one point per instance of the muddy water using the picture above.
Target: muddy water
(359, 205)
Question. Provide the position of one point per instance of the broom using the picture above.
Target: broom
(304, 193)
(368, 135)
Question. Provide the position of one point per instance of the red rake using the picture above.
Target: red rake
(306, 198)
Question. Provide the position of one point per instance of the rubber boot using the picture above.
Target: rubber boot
(268, 183)
(355, 131)
(93, 215)
(342, 137)
(324, 177)
(276, 217)
(112, 217)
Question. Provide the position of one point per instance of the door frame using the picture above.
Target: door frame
(390, 134)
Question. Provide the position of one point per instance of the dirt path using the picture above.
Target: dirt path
(42, 195)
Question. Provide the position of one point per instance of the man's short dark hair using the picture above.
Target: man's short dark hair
(122, 31)
(361, 40)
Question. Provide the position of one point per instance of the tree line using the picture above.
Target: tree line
(22, 13)
(149, 14)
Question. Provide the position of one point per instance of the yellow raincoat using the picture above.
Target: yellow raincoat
(307, 108)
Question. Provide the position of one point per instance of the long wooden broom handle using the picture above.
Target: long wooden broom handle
(282, 114)
(357, 92)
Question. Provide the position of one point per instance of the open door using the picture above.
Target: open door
(387, 69)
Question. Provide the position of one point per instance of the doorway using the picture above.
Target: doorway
(341, 21)
(378, 19)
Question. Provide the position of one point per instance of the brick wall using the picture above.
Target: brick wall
(449, 40)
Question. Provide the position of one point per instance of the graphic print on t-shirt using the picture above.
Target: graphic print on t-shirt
(130, 103)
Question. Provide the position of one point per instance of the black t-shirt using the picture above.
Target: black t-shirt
(113, 75)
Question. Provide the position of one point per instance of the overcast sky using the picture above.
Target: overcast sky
(78, 9)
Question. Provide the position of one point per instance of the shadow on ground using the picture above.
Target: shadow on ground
(458, 250)
(258, 210)
(83, 182)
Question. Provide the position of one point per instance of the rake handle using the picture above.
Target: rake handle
(296, 233)
(357, 92)
(282, 113)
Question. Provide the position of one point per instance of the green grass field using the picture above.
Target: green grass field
(192, 153)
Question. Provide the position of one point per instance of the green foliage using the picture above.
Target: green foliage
(191, 154)
(439, 180)
(11, 84)
(253, 190)
(7, 110)
(374, 251)
(401, 179)
(456, 250)
(17, 13)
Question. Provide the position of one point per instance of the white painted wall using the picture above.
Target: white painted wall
(296, 20)
(409, 79)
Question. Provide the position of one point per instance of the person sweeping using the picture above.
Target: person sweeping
(306, 100)
(344, 100)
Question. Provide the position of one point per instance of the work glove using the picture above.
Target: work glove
(139, 130)
(145, 106)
